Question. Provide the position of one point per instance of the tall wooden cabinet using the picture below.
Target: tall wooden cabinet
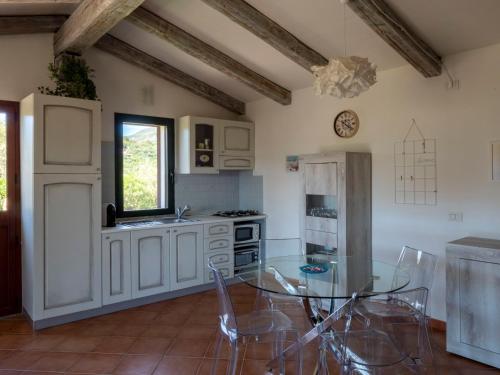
(60, 204)
(207, 145)
(336, 203)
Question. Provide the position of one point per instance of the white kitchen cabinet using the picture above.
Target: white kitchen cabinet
(116, 267)
(64, 244)
(236, 138)
(150, 261)
(207, 145)
(198, 145)
(186, 256)
(65, 133)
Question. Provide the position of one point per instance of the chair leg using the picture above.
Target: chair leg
(300, 356)
(218, 345)
(233, 361)
(280, 347)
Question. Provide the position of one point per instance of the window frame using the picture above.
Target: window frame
(169, 124)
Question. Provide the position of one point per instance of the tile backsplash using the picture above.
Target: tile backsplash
(228, 190)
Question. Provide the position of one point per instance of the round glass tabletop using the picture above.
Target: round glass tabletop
(325, 276)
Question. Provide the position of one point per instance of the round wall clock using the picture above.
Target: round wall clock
(346, 124)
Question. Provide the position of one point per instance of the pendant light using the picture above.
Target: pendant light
(345, 76)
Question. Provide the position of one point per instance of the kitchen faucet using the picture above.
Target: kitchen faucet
(179, 212)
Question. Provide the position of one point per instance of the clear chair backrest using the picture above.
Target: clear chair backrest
(226, 313)
(276, 247)
(420, 266)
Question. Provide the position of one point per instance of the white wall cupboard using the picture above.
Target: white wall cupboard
(116, 268)
(186, 257)
(198, 145)
(66, 133)
(208, 145)
(150, 250)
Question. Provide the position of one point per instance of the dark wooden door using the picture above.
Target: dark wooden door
(10, 252)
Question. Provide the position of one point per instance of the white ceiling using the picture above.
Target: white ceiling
(449, 26)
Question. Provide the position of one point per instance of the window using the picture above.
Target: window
(144, 165)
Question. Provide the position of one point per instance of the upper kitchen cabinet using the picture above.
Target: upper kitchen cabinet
(65, 134)
(198, 144)
(208, 145)
(237, 141)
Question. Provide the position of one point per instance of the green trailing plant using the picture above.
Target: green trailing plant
(73, 78)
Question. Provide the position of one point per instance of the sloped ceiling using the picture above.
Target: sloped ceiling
(449, 26)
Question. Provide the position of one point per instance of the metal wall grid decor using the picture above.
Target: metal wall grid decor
(415, 168)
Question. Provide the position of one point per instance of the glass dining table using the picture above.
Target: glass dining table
(331, 278)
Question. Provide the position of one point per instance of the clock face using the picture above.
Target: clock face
(346, 124)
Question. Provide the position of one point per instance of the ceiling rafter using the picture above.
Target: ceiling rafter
(163, 70)
(90, 21)
(195, 47)
(30, 24)
(390, 27)
(269, 31)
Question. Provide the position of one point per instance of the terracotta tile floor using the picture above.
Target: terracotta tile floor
(174, 337)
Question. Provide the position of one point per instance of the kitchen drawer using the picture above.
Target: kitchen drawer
(227, 271)
(321, 224)
(219, 258)
(219, 229)
(236, 162)
(219, 243)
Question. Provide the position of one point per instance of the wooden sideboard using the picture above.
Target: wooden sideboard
(473, 299)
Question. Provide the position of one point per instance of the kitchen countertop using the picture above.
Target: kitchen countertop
(197, 219)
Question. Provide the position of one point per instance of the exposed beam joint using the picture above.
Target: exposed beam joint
(90, 21)
(30, 24)
(163, 70)
(386, 23)
(195, 47)
(269, 31)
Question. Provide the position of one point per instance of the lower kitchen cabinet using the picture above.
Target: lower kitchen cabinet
(116, 268)
(186, 257)
(150, 250)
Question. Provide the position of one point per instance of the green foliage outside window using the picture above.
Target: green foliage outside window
(140, 170)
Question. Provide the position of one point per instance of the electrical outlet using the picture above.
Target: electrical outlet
(456, 216)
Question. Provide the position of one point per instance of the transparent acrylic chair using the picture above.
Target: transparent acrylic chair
(255, 324)
(410, 304)
(274, 248)
(365, 350)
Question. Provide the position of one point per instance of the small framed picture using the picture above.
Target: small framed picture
(292, 163)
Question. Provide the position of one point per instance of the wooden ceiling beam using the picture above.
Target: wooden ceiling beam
(390, 27)
(195, 47)
(38, 2)
(30, 24)
(90, 21)
(269, 31)
(163, 70)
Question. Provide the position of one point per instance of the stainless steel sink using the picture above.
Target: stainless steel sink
(148, 223)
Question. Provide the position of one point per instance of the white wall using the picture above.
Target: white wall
(463, 121)
(23, 67)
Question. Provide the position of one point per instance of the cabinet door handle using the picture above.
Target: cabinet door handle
(175, 230)
(107, 237)
(167, 231)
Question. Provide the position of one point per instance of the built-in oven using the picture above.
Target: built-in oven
(246, 233)
(246, 257)
(246, 246)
